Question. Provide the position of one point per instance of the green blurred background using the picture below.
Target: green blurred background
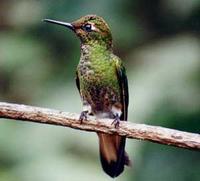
(159, 42)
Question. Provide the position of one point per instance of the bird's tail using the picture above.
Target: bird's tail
(112, 154)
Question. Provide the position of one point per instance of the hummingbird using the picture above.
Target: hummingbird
(103, 86)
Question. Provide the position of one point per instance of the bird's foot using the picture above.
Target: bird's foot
(83, 116)
(116, 121)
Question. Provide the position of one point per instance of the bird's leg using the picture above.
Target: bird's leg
(116, 111)
(85, 112)
(83, 116)
(116, 121)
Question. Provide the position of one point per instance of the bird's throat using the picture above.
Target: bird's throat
(95, 50)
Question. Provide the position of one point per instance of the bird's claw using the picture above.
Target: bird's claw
(116, 122)
(83, 116)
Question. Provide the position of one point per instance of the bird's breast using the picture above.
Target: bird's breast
(98, 85)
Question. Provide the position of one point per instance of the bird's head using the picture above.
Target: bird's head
(89, 29)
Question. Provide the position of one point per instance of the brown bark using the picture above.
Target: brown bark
(130, 130)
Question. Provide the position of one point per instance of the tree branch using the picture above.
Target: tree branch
(131, 130)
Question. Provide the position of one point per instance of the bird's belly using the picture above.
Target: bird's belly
(100, 96)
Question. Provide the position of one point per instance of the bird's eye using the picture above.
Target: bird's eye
(87, 27)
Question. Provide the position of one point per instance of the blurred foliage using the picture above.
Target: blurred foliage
(159, 42)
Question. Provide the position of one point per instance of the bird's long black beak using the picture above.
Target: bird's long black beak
(68, 25)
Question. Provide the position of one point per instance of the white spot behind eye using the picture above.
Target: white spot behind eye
(93, 28)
